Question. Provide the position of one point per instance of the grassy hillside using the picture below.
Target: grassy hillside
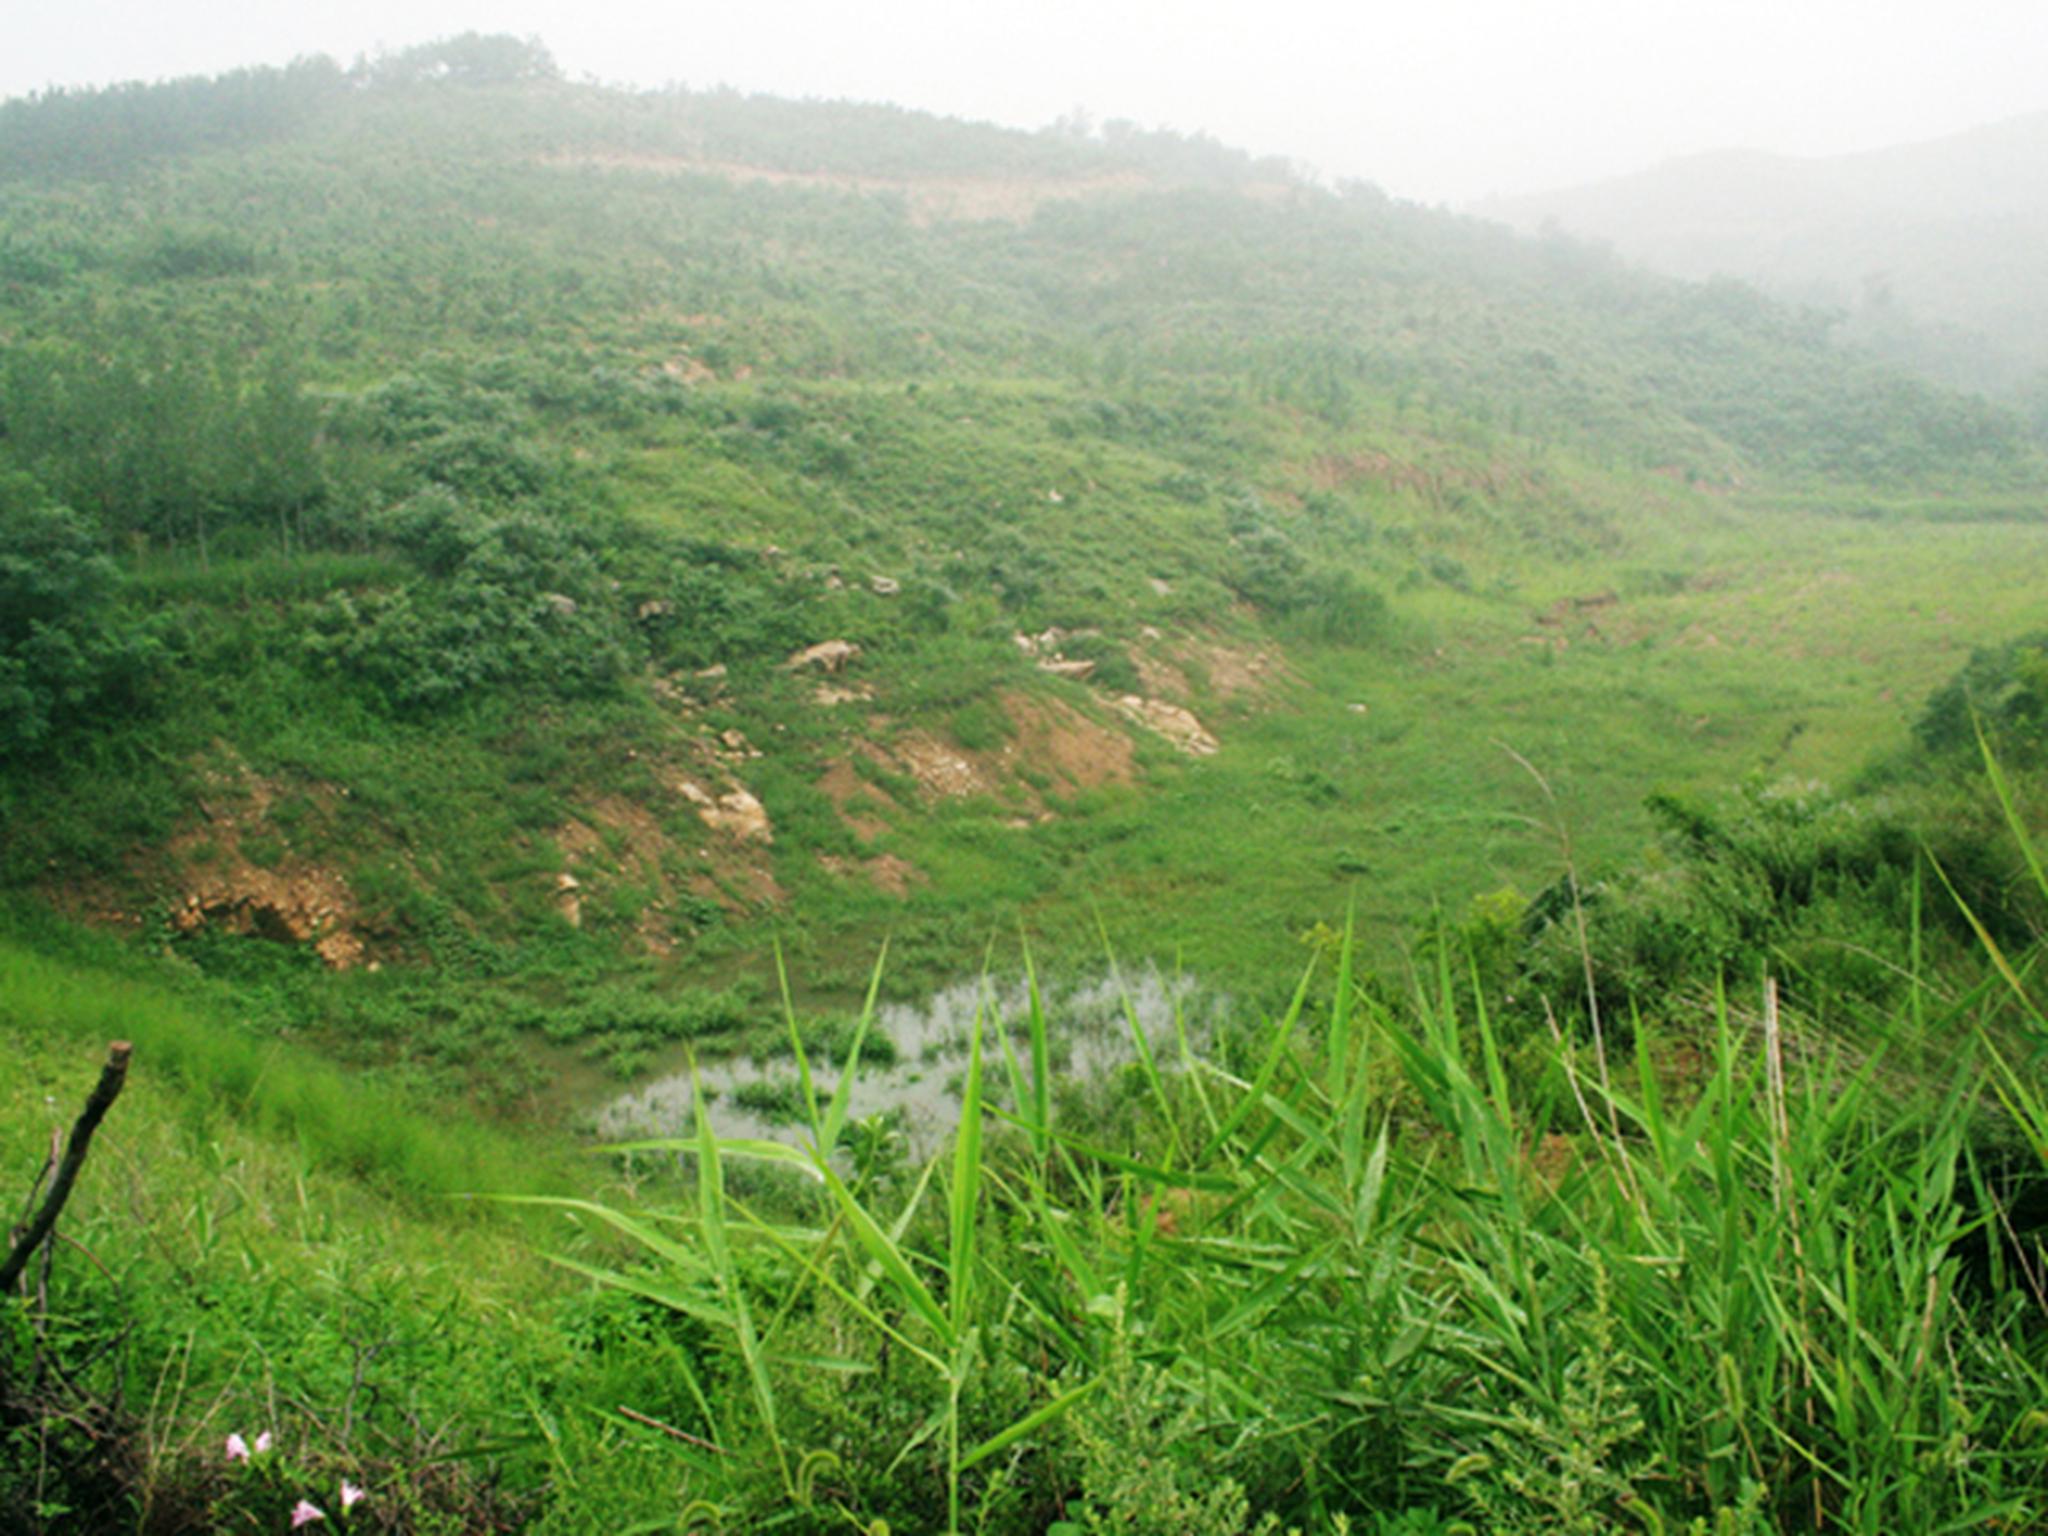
(513, 592)
(487, 411)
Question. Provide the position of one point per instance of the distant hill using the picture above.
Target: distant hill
(1933, 250)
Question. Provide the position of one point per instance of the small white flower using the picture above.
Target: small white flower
(351, 1495)
(305, 1512)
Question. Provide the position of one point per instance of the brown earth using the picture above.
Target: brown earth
(1234, 672)
(1054, 737)
(1334, 471)
(943, 771)
(929, 199)
(618, 840)
(1049, 738)
(286, 898)
(1051, 741)
(857, 801)
(1162, 679)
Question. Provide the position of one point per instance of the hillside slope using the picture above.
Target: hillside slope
(560, 537)
(1235, 857)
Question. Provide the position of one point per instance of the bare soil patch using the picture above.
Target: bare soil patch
(929, 199)
(235, 869)
(858, 802)
(1054, 737)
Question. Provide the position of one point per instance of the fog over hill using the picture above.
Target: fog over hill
(1931, 250)
(802, 816)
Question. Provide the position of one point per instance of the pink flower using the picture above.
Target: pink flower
(351, 1495)
(262, 1442)
(305, 1513)
(238, 1448)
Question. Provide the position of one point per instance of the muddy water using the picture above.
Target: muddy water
(1087, 1028)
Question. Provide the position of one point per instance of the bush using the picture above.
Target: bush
(65, 648)
(2005, 687)
(520, 600)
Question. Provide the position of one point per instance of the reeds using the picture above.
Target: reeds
(1368, 1281)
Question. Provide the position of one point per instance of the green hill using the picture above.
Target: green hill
(513, 594)
(423, 475)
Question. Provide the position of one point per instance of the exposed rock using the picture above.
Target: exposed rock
(830, 694)
(1160, 588)
(711, 674)
(939, 768)
(309, 906)
(737, 743)
(568, 899)
(1358, 709)
(827, 656)
(561, 603)
(1059, 666)
(654, 608)
(740, 815)
(289, 900)
(1177, 725)
(884, 586)
(736, 812)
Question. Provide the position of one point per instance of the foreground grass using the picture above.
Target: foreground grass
(249, 1250)
(1388, 1270)
(1369, 1267)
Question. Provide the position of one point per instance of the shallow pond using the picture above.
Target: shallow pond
(917, 1092)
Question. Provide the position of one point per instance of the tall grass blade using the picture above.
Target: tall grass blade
(842, 1095)
(711, 1222)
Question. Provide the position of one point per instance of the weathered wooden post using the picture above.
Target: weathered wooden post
(37, 1232)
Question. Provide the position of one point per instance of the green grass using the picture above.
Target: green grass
(427, 526)
(340, 1124)
(1390, 1267)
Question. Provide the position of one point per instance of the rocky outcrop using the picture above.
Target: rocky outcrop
(736, 812)
(303, 906)
(1177, 725)
(1059, 666)
(827, 656)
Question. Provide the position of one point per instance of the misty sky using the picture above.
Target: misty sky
(1441, 100)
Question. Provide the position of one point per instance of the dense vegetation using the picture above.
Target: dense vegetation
(1543, 709)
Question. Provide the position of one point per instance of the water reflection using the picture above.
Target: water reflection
(1087, 1028)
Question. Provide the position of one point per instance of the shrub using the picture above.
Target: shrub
(65, 648)
(522, 601)
(2005, 687)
